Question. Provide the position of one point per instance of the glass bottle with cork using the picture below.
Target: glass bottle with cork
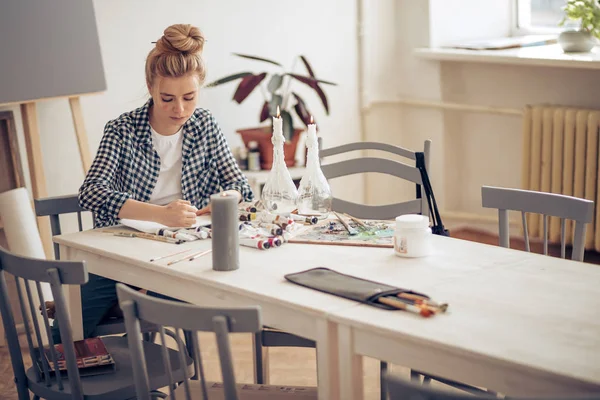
(279, 194)
(314, 194)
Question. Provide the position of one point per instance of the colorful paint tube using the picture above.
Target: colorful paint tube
(176, 235)
(272, 229)
(275, 241)
(305, 219)
(256, 243)
(248, 217)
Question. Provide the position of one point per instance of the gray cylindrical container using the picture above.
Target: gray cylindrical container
(225, 232)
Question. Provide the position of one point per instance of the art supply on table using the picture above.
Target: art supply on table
(275, 241)
(271, 229)
(225, 232)
(305, 219)
(314, 193)
(190, 257)
(279, 194)
(332, 232)
(150, 236)
(257, 243)
(281, 220)
(400, 305)
(413, 236)
(169, 255)
(375, 294)
(351, 231)
(198, 255)
(358, 221)
(176, 234)
(420, 299)
(247, 217)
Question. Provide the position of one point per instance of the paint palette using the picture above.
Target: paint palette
(332, 232)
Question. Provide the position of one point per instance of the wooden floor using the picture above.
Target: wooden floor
(289, 366)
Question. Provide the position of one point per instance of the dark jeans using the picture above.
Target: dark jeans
(98, 296)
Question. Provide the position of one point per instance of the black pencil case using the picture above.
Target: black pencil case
(347, 286)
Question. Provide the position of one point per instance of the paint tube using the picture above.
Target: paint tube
(176, 235)
(269, 218)
(303, 218)
(275, 241)
(257, 243)
(247, 217)
(271, 229)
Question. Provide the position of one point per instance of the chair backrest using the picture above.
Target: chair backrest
(402, 389)
(380, 165)
(191, 319)
(53, 207)
(547, 204)
(29, 274)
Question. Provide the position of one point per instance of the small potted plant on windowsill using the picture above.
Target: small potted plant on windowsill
(583, 39)
(277, 92)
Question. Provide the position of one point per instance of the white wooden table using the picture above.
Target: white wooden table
(518, 323)
(259, 281)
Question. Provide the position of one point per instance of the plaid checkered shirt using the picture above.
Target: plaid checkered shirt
(127, 166)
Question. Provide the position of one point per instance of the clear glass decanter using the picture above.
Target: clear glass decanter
(314, 194)
(279, 194)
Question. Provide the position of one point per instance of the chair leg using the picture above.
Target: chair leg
(383, 367)
(261, 360)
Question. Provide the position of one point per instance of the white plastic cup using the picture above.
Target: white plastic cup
(413, 236)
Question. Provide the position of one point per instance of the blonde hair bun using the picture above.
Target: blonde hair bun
(181, 38)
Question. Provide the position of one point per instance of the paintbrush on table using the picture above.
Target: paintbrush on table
(424, 300)
(358, 221)
(351, 230)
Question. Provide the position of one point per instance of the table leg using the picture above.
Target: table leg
(351, 366)
(327, 361)
(73, 295)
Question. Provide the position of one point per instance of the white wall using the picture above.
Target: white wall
(469, 149)
(325, 32)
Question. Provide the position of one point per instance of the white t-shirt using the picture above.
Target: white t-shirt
(168, 185)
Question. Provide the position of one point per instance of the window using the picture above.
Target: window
(539, 16)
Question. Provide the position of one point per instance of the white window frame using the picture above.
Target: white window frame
(520, 10)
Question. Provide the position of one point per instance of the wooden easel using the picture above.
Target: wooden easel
(34, 157)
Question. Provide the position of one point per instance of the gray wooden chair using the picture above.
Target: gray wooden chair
(54, 207)
(381, 165)
(275, 338)
(400, 389)
(41, 379)
(547, 204)
(192, 319)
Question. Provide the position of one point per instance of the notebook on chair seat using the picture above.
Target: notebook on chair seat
(92, 355)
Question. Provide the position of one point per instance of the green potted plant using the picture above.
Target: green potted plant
(583, 39)
(276, 88)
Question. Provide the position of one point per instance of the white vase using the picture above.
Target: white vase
(576, 41)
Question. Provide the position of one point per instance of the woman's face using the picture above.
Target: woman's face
(174, 101)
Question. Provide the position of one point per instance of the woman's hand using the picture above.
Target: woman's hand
(178, 213)
(206, 210)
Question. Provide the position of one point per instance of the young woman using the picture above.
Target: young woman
(160, 162)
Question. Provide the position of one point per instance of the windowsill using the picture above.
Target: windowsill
(542, 56)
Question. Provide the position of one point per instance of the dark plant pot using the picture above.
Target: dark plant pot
(262, 135)
(576, 41)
